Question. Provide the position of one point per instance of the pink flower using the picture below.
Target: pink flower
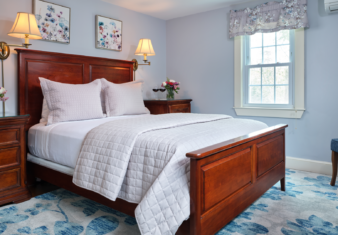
(3, 99)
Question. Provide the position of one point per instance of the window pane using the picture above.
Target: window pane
(268, 96)
(268, 76)
(269, 39)
(255, 94)
(283, 37)
(255, 76)
(282, 94)
(269, 55)
(282, 75)
(283, 54)
(256, 56)
(256, 40)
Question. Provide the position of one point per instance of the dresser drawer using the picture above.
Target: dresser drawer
(9, 136)
(9, 179)
(179, 108)
(9, 157)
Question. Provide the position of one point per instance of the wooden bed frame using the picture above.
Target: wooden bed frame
(225, 178)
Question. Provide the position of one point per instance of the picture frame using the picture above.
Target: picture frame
(53, 20)
(108, 33)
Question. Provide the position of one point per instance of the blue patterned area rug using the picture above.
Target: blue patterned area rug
(309, 206)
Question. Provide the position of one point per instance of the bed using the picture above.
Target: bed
(225, 178)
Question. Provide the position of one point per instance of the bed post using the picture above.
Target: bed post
(228, 177)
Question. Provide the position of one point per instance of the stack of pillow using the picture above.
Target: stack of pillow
(100, 98)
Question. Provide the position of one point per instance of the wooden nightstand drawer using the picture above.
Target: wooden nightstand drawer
(13, 186)
(179, 108)
(9, 179)
(9, 157)
(9, 136)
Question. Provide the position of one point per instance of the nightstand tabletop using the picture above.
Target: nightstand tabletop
(170, 100)
(11, 115)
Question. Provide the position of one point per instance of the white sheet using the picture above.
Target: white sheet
(61, 143)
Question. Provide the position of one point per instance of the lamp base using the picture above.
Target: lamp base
(4, 50)
(135, 66)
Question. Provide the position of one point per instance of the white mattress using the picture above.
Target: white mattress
(61, 143)
(51, 165)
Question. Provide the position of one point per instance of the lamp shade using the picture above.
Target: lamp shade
(145, 47)
(25, 24)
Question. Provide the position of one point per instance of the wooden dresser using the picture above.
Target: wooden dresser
(13, 159)
(168, 106)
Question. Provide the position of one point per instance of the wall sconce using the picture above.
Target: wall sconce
(24, 27)
(144, 48)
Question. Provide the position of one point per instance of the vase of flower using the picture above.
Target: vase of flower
(3, 92)
(170, 94)
(172, 87)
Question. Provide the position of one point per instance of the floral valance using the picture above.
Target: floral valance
(269, 17)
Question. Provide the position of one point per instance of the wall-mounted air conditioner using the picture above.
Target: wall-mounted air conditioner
(331, 6)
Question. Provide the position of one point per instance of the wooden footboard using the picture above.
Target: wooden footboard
(228, 177)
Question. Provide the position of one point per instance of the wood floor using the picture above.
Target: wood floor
(39, 188)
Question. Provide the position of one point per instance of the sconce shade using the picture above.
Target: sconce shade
(145, 47)
(25, 24)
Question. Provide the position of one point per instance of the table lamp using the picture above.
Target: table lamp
(144, 48)
(24, 27)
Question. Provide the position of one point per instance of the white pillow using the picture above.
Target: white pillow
(123, 99)
(71, 102)
(45, 111)
(104, 84)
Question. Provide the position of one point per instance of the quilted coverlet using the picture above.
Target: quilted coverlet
(142, 160)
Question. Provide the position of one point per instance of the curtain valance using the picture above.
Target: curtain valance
(269, 17)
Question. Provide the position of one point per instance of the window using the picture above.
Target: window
(269, 74)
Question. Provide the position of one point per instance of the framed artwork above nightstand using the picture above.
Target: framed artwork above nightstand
(13, 159)
(168, 106)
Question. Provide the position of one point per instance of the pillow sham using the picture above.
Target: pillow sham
(45, 111)
(104, 84)
(72, 102)
(123, 99)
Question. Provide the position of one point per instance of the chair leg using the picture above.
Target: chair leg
(334, 167)
(282, 184)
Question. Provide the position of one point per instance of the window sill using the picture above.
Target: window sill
(269, 112)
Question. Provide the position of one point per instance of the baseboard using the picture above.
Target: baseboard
(318, 167)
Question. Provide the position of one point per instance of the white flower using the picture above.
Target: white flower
(2, 90)
(172, 80)
(163, 84)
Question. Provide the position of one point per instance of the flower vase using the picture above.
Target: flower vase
(170, 94)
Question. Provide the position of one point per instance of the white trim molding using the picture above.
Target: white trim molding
(299, 83)
(269, 112)
(318, 167)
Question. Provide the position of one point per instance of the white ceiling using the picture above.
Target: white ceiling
(170, 9)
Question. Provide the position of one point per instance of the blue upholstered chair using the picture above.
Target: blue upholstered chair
(334, 148)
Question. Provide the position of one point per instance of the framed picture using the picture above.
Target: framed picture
(53, 21)
(108, 33)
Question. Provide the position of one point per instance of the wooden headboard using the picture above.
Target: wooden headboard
(66, 68)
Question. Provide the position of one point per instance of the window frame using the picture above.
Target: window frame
(293, 110)
(246, 67)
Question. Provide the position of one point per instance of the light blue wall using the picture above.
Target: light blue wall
(135, 26)
(201, 56)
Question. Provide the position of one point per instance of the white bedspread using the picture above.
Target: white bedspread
(61, 143)
(153, 149)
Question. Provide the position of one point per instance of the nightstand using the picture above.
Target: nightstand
(13, 159)
(168, 106)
